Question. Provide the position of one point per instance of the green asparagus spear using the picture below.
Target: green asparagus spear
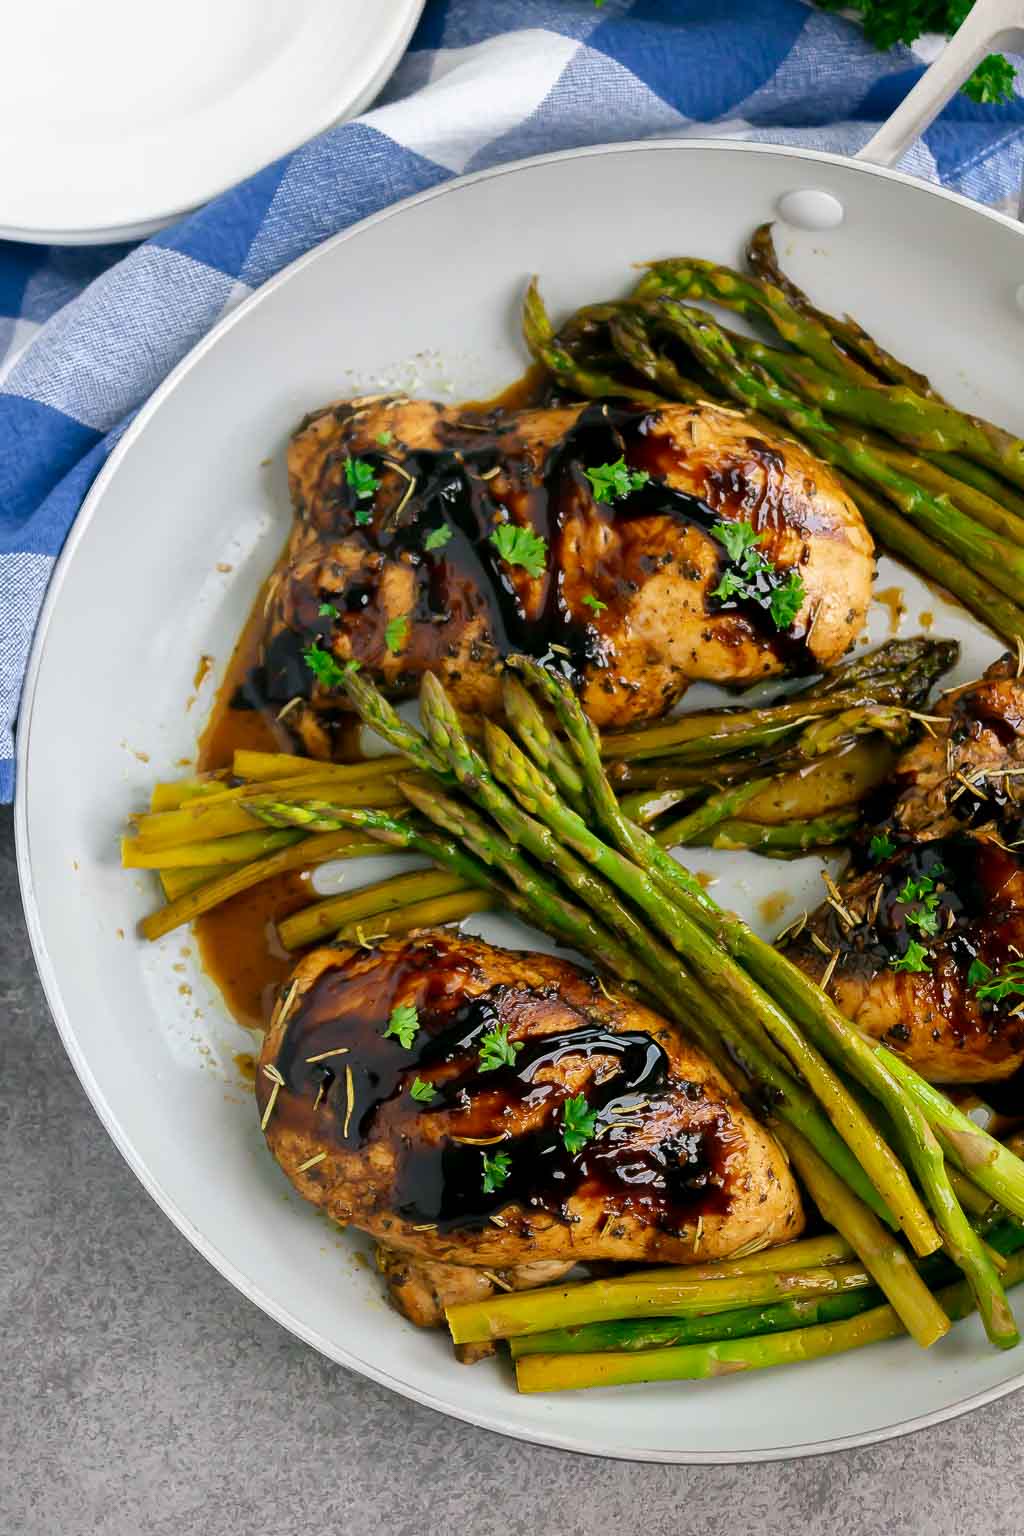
(570, 924)
(631, 337)
(925, 425)
(543, 746)
(322, 918)
(823, 1021)
(692, 1362)
(761, 1061)
(570, 375)
(900, 674)
(995, 559)
(949, 430)
(990, 1164)
(851, 339)
(788, 840)
(629, 1334)
(741, 998)
(718, 807)
(888, 1263)
(1002, 616)
(976, 504)
(644, 1294)
(969, 473)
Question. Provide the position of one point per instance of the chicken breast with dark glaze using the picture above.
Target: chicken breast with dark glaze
(523, 1112)
(392, 560)
(932, 915)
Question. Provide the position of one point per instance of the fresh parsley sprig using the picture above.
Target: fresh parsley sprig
(497, 1050)
(921, 899)
(324, 668)
(579, 1123)
(915, 959)
(521, 546)
(782, 595)
(613, 482)
(496, 1170)
(404, 1024)
(888, 22)
(422, 1092)
(437, 538)
(396, 632)
(359, 477)
(595, 603)
(881, 847)
(996, 986)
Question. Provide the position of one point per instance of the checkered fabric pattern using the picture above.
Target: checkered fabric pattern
(87, 334)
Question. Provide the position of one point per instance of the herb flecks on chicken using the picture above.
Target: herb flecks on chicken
(598, 537)
(928, 936)
(600, 1134)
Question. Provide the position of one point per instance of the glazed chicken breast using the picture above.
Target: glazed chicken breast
(427, 538)
(474, 1107)
(932, 913)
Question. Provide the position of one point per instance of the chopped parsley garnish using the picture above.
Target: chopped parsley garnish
(437, 538)
(915, 890)
(384, 438)
(925, 918)
(595, 603)
(781, 595)
(324, 667)
(739, 540)
(496, 1171)
(922, 900)
(915, 959)
(422, 1092)
(996, 987)
(611, 482)
(521, 546)
(881, 847)
(404, 1024)
(786, 601)
(992, 81)
(359, 476)
(497, 1050)
(978, 973)
(363, 516)
(578, 1124)
(328, 611)
(396, 632)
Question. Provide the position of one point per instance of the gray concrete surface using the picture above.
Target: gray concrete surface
(141, 1396)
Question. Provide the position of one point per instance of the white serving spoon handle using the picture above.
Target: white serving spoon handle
(992, 25)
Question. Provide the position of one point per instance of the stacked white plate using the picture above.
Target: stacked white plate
(117, 117)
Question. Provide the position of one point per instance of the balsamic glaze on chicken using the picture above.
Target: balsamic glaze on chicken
(932, 915)
(392, 562)
(588, 1128)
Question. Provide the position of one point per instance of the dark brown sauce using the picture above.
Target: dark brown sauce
(239, 948)
(238, 945)
(439, 1180)
(484, 475)
(977, 919)
(530, 391)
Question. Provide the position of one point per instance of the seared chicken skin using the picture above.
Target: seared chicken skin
(920, 930)
(392, 562)
(552, 1119)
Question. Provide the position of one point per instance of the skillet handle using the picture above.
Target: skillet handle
(990, 26)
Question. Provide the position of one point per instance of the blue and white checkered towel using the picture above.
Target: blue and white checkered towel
(86, 335)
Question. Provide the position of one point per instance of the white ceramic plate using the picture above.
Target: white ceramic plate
(162, 565)
(116, 117)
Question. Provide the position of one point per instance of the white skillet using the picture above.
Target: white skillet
(161, 567)
(116, 118)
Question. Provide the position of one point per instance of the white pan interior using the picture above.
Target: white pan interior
(163, 566)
